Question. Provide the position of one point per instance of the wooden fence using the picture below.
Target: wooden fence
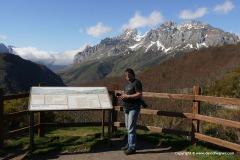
(195, 116)
(3, 116)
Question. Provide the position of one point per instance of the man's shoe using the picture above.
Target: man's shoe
(125, 147)
(130, 151)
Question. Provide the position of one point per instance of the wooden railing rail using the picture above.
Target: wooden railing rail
(215, 120)
(16, 114)
(223, 100)
(15, 96)
(164, 95)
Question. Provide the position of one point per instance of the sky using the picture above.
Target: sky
(48, 29)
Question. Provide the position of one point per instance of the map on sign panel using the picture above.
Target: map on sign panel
(69, 98)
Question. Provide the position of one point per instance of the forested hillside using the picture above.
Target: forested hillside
(227, 86)
(19, 75)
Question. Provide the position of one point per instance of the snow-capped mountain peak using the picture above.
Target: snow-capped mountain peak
(169, 37)
(193, 25)
(129, 33)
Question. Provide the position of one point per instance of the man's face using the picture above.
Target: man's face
(129, 76)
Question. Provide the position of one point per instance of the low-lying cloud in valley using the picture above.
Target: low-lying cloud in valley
(47, 57)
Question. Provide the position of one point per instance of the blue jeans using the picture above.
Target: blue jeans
(131, 122)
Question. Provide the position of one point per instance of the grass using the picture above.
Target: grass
(77, 139)
(72, 139)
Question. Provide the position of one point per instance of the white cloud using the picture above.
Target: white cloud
(66, 58)
(3, 37)
(32, 53)
(224, 8)
(98, 30)
(139, 21)
(187, 14)
(48, 57)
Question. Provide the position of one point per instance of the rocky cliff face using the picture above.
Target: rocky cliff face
(168, 38)
(108, 47)
(191, 34)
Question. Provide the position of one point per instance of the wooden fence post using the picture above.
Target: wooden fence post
(31, 132)
(109, 126)
(1, 118)
(114, 113)
(41, 120)
(195, 110)
(40, 124)
(103, 117)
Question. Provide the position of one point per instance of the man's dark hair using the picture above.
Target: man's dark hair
(129, 70)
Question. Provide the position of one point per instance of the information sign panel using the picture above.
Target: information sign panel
(69, 98)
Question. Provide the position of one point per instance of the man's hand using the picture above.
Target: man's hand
(124, 96)
(131, 96)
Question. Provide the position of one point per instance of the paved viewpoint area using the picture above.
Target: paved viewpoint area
(146, 151)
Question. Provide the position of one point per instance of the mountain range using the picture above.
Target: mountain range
(168, 38)
(111, 56)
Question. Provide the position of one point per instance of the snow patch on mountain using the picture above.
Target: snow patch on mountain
(134, 46)
(201, 45)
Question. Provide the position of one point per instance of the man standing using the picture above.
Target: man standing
(132, 106)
